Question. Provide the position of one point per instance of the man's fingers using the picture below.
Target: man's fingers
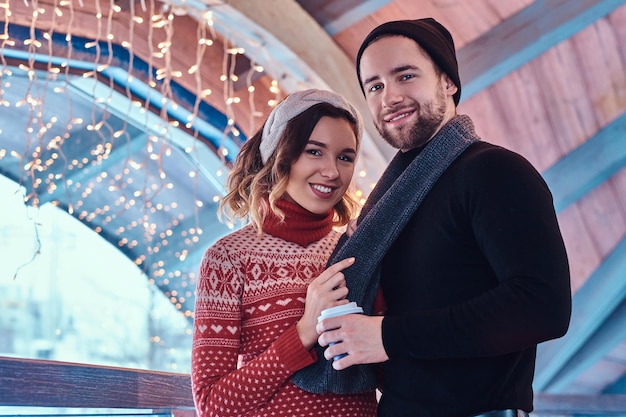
(325, 326)
(342, 363)
(340, 358)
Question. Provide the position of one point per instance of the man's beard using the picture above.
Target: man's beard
(429, 120)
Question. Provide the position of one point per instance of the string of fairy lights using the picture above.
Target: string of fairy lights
(152, 24)
(146, 31)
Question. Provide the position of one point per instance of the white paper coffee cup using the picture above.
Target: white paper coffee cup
(350, 308)
(342, 310)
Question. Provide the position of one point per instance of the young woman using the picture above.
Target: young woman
(262, 287)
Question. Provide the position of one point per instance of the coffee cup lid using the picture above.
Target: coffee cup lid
(350, 308)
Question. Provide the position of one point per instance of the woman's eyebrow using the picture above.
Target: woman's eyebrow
(323, 145)
(316, 143)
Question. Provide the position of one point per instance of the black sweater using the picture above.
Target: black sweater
(473, 283)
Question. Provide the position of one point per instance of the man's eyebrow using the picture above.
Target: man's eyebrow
(403, 68)
(370, 79)
(395, 70)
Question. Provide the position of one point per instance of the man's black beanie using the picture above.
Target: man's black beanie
(431, 35)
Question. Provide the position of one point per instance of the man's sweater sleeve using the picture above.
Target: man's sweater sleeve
(510, 210)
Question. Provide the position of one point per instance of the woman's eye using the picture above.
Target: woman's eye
(315, 152)
(346, 158)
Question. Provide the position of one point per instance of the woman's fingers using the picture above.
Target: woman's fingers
(338, 267)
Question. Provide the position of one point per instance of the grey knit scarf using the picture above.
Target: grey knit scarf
(390, 205)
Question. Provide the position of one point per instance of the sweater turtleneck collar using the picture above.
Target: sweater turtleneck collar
(300, 225)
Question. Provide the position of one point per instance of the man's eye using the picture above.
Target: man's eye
(375, 88)
(407, 76)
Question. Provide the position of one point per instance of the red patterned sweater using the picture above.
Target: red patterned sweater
(250, 295)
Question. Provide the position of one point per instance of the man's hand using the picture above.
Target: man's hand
(355, 334)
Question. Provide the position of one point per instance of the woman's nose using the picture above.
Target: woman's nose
(329, 170)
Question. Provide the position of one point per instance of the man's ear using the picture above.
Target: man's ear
(451, 88)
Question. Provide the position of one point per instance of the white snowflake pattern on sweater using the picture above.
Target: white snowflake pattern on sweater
(250, 294)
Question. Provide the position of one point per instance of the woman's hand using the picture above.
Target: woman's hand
(327, 290)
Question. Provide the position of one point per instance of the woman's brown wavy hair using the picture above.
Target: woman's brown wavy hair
(252, 185)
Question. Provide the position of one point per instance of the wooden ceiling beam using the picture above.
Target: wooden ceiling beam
(589, 165)
(616, 387)
(608, 335)
(577, 405)
(296, 51)
(592, 306)
(82, 22)
(337, 15)
(523, 37)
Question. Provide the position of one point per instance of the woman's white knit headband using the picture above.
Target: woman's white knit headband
(295, 104)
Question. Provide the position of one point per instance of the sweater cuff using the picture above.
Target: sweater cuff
(291, 352)
(390, 332)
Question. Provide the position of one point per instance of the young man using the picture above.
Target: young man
(463, 238)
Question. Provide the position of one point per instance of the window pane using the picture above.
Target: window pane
(67, 294)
